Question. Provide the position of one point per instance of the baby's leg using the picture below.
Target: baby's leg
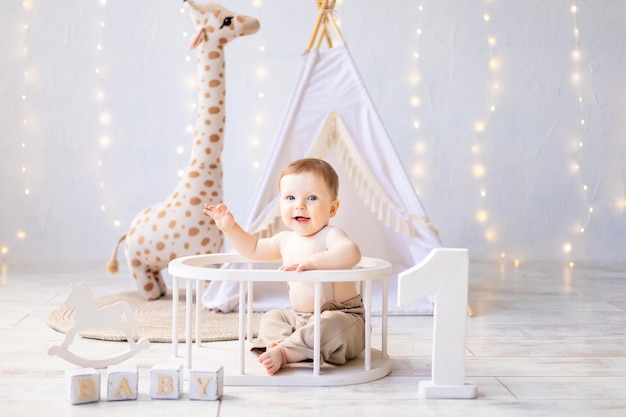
(275, 326)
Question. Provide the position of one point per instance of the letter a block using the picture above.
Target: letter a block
(122, 382)
(82, 385)
(206, 383)
(166, 382)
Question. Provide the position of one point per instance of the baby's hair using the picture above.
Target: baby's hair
(317, 167)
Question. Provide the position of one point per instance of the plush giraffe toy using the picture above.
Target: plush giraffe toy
(176, 226)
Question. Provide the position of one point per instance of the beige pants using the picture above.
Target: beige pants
(342, 331)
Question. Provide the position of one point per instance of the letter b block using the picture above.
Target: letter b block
(166, 382)
(206, 383)
(82, 385)
(122, 381)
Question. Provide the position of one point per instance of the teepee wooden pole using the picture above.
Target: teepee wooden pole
(321, 5)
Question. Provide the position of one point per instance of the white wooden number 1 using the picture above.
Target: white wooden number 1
(444, 273)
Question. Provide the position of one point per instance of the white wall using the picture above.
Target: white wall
(140, 105)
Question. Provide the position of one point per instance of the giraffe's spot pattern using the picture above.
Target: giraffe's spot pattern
(194, 231)
(214, 138)
(214, 110)
(195, 201)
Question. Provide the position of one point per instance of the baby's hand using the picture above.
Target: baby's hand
(220, 214)
(299, 267)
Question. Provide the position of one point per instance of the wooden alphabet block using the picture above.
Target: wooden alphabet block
(166, 382)
(122, 382)
(206, 383)
(82, 385)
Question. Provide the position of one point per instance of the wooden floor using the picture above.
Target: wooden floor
(546, 340)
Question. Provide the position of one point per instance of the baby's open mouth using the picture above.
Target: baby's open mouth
(300, 218)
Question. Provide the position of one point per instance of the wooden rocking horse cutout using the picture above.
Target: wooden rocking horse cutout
(88, 316)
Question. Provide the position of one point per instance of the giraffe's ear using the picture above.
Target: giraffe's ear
(197, 40)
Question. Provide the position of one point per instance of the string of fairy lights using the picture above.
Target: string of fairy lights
(480, 127)
(415, 77)
(579, 141)
(257, 118)
(103, 135)
(29, 78)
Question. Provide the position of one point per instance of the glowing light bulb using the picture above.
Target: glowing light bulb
(26, 191)
(516, 263)
(116, 223)
(21, 234)
(492, 108)
(574, 8)
(105, 118)
(416, 124)
(4, 250)
(180, 150)
(256, 164)
(483, 193)
(571, 264)
(481, 216)
(479, 126)
(567, 247)
(261, 48)
(486, 17)
(495, 64)
(475, 149)
(419, 31)
(491, 40)
(502, 254)
(478, 170)
(415, 101)
(418, 170)
(103, 207)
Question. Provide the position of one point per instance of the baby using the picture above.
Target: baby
(308, 200)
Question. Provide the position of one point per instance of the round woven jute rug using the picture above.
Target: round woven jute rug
(154, 320)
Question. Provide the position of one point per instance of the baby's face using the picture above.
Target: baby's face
(305, 203)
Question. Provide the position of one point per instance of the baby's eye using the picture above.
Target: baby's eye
(312, 198)
(290, 198)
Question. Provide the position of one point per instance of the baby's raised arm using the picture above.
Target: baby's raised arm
(245, 243)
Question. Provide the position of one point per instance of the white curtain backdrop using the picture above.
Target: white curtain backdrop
(507, 116)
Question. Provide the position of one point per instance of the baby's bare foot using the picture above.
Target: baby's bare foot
(273, 358)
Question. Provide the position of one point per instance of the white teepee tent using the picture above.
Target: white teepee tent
(331, 116)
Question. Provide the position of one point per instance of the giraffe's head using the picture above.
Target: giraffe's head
(217, 25)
